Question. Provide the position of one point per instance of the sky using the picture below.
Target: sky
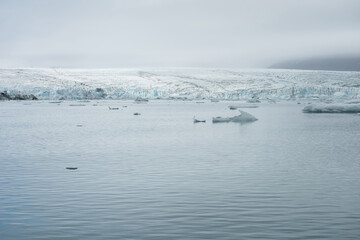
(174, 33)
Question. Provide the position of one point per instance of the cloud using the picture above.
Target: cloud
(211, 33)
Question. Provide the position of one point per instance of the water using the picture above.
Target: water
(289, 175)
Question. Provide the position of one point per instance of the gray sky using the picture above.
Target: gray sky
(174, 33)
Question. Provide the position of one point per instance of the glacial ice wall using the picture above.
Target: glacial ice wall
(177, 83)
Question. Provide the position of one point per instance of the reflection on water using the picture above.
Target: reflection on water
(158, 175)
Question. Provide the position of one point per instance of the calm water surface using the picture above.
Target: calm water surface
(289, 175)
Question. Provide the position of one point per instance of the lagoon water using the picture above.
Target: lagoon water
(289, 175)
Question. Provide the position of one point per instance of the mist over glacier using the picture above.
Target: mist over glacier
(179, 83)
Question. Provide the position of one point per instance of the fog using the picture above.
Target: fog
(176, 33)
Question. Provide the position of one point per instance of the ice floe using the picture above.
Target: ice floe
(234, 107)
(332, 108)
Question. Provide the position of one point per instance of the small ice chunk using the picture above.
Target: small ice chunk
(77, 105)
(332, 108)
(197, 120)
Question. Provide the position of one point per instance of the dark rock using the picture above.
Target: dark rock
(32, 97)
(4, 96)
(71, 168)
(19, 97)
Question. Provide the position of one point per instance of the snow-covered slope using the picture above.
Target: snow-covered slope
(230, 84)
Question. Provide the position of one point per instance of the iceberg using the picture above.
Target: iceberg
(244, 117)
(141, 100)
(198, 121)
(332, 108)
(234, 107)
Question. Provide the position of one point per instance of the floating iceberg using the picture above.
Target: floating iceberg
(141, 100)
(198, 121)
(332, 108)
(242, 118)
(233, 107)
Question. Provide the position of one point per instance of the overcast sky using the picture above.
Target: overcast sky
(174, 33)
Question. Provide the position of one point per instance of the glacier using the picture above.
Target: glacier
(180, 83)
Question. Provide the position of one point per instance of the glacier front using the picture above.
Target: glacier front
(179, 83)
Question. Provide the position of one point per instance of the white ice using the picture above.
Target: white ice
(242, 118)
(177, 83)
(233, 107)
(332, 108)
